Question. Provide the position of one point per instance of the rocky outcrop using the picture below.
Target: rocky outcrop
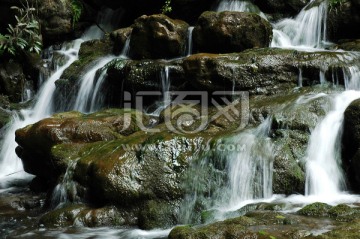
(119, 37)
(12, 80)
(261, 71)
(231, 32)
(351, 144)
(158, 36)
(56, 20)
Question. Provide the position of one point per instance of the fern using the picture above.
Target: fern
(77, 9)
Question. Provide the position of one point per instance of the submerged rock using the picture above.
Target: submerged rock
(158, 36)
(231, 32)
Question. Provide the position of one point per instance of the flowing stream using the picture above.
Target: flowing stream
(248, 167)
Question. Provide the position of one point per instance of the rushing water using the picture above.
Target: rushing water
(245, 173)
(44, 105)
(307, 30)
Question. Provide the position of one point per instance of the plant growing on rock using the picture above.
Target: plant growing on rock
(77, 9)
(166, 8)
(25, 35)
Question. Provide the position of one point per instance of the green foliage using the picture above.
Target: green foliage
(77, 9)
(167, 7)
(25, 35)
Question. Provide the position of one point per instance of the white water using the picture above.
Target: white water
(249, 166)
(85, 101)
(44, 105)
(190, 42)
(239, 6)
(306, 31)
(66, 189)
(324, 176)
(165, 90)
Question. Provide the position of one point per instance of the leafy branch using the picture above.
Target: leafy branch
(25, 35)
(166, 8)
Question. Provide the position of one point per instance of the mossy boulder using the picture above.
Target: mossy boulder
(36, 141)
(81, 215)
(157, 37)
(231, 32)
(317, 209)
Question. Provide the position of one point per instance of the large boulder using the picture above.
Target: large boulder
(158, 36)
(231, 32)
(36, 141)
(56, 20)
(351, 144)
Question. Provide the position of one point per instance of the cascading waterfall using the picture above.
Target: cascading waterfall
(66, 189)
(307, 30)
(84, 100)
(324, 176)
(44, 105)
(249, 161)
(239, 6)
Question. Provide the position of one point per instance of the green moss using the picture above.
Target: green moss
(315, 209)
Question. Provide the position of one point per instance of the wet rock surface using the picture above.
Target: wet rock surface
(231, 32)
(158, 36)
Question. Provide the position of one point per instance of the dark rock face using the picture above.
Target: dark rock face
(351, 144)
(158, 36)
(55, 18)
(231, 32)
(343, 21)
(119, 37)
(281, 6)
(12, 80)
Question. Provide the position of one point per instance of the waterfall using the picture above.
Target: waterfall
(249, 167)
(84, 100)
(306, 30)
(126, 50)
(190, 42)
(300, 78)
(165, 90)
(324, 176)
(237, 173)
(239, 6)
(66, 189)
(44, 105)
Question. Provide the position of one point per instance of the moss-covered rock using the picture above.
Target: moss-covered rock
(231, 32)
(315, 209)
(37, 142)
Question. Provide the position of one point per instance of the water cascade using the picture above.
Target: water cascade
(190, 42)
(44, 105)
(84, 101)
(249, 166)
(165, 90)
(306, 31)
(324, 176)
(239, 6)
